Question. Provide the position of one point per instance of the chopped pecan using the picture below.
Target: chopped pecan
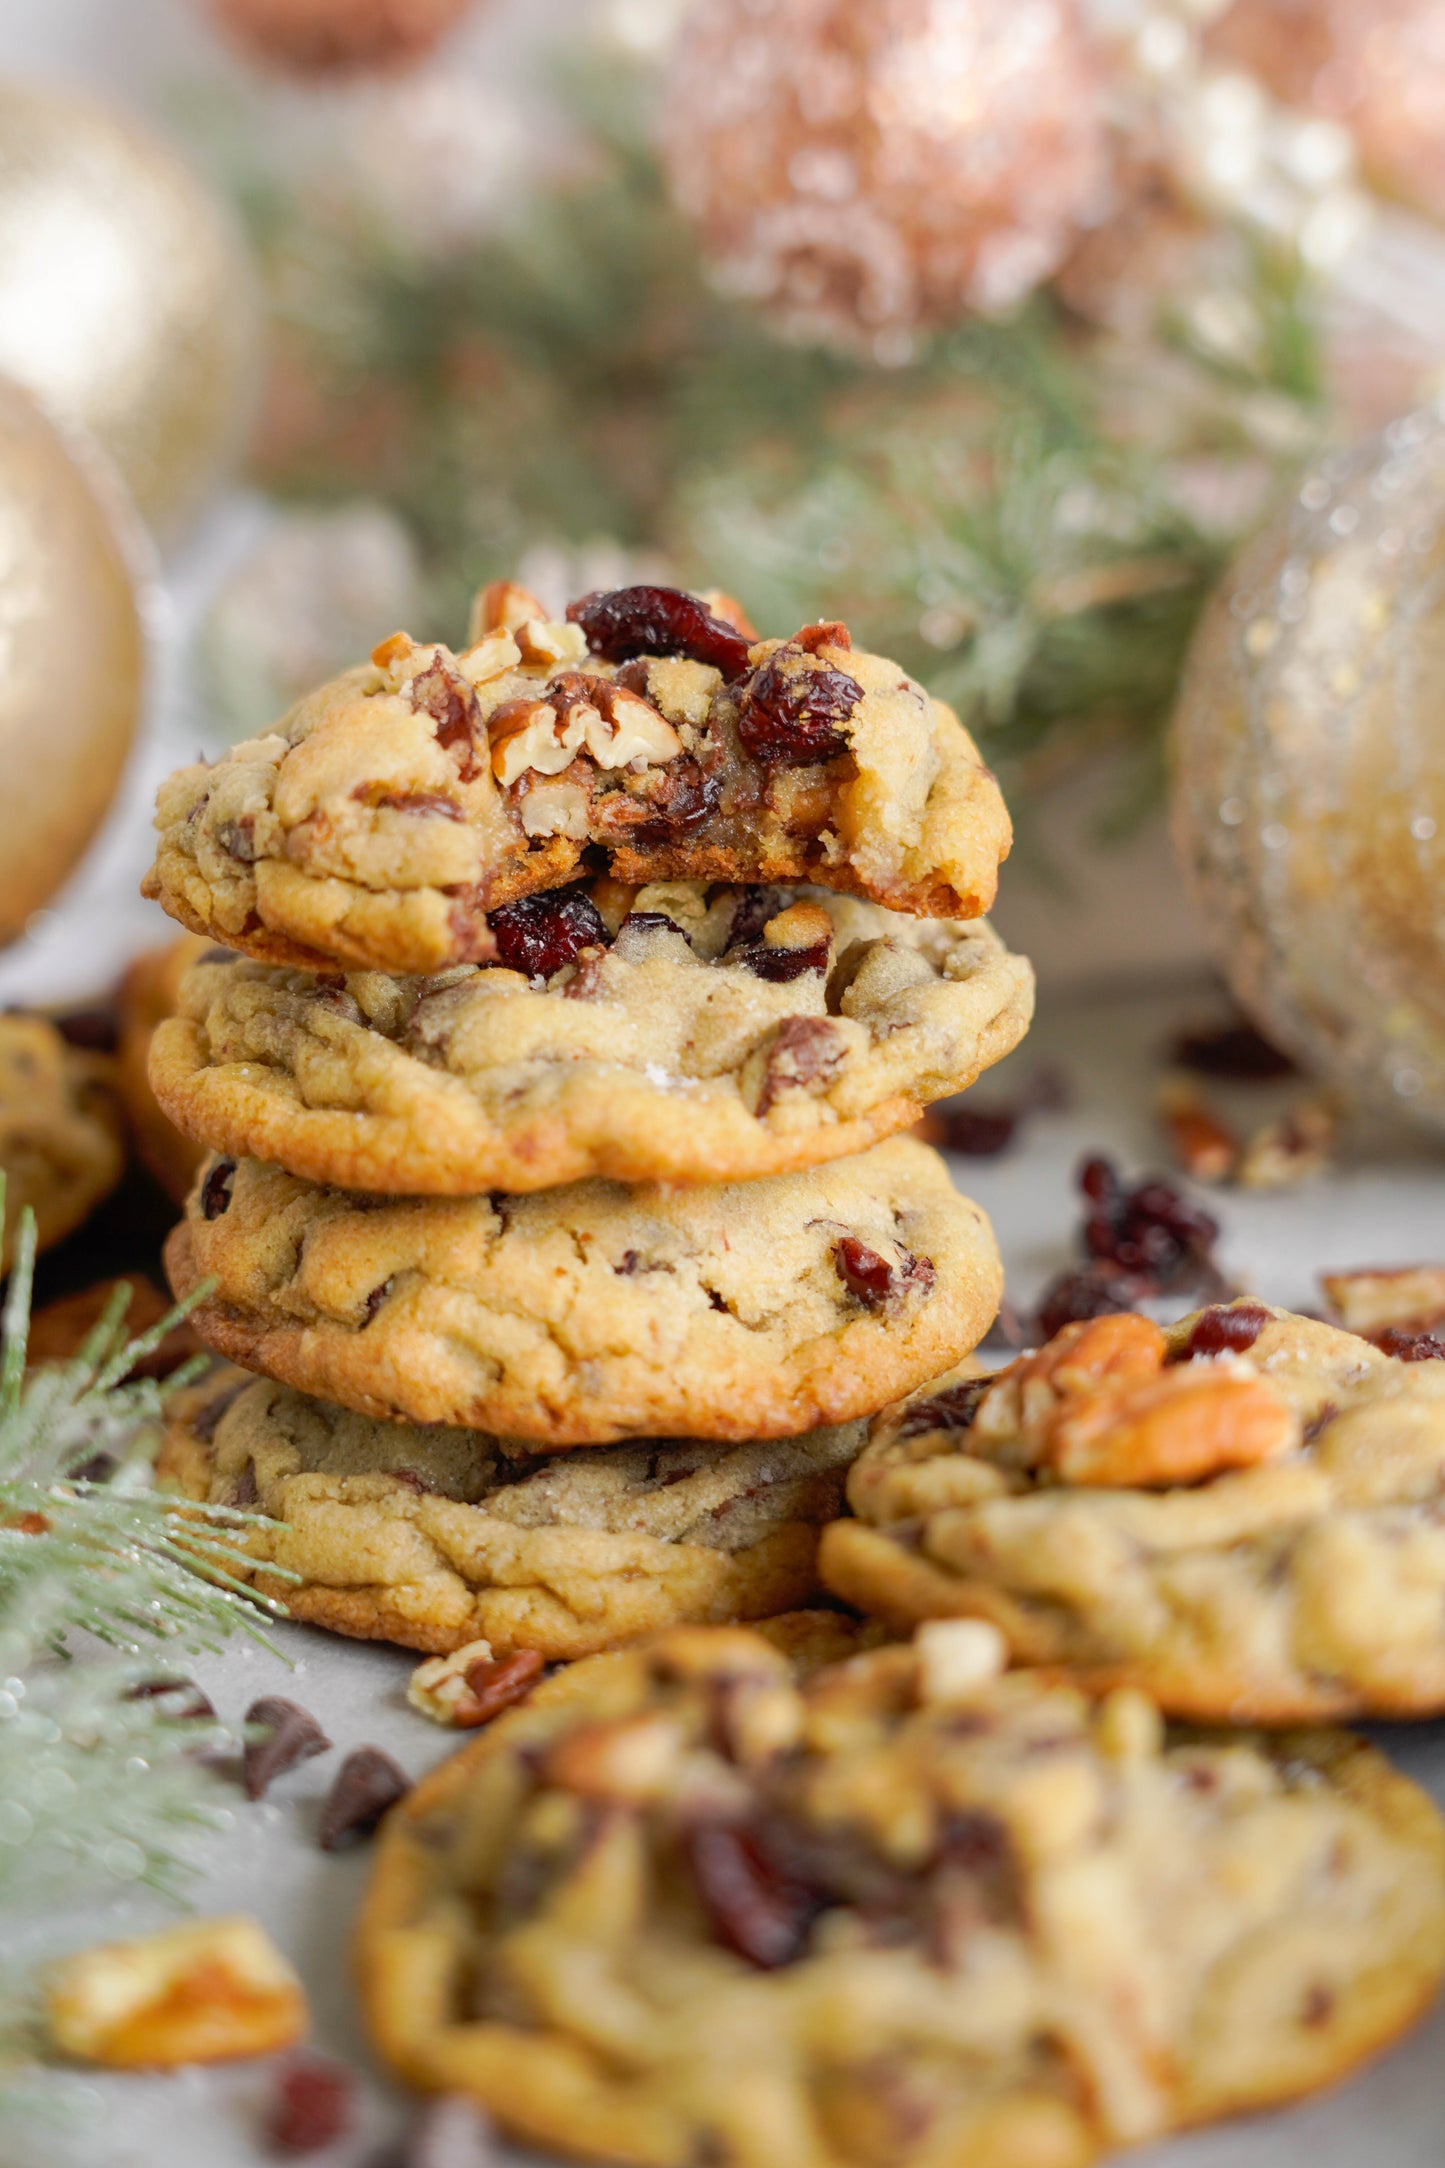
(203, 1992)
(956, 1657)
(755, 1905)
(441, 692)
(1410, 1296)
(1293, 1149)
(531, 734)
(470, 1687)
(1182, 1426)
(1201, 1141)
(503, 606)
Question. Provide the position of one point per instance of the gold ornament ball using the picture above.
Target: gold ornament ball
(71, 655)
(871, 168)
(126, 300)
(1377, 66)
(336, 37)
(1309, 772)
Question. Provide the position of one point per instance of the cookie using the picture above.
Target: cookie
(1242, 1516)
(60, 1134)
(149, 993)
(436, 1537)
(393, 817)
(680, 1908)
(706, 1035)
(583, 1315)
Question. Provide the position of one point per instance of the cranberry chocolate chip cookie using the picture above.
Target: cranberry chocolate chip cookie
(394, 811)
(60, 1130)
(1244, 1515)
(583, 1315)
(685, 1907)
(437, 1537)
(675, 1032)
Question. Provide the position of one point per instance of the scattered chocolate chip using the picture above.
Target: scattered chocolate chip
(791, 717)
(952, 1409)
(876, 1281)
(1222, 1329)
(444, 695)
(807, 1052)
(185, 1702)
(451, 2132)
(1409, 1347)
(539, 934)
(1230, 1050)
(753, 1904)
(94, 1031)
(495, 1686)
(978, 1132)
(216, 1188)
(629, 621)
(291, 1735)
(375, 1300)
(780, 966)
(1318, 2006)
(313, 2105)
(366, 1785)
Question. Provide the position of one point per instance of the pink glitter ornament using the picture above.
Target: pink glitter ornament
(869, 168)
(1377, 66)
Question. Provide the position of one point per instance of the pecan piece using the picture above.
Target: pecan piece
(753, 1904)
(200, 1993)
(1409, 1296)
(441, 692)
(469, 1687)
(1180, 1427)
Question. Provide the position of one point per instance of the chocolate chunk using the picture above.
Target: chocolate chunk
(238, 838)
(952, 1410)
(366, 1785)
(978, 1132)
(216, 1188)
(291, 1735)
(313, 2105)
(94, 1031)
(779, 966)
(375, 1300)
(444, 695)
(246, 1489)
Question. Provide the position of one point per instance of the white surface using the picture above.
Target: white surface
(1385, 1205)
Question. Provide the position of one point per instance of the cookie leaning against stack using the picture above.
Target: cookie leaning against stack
(446, 1097)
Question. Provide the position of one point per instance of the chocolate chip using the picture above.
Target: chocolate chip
(808, 1051)
(413, 1480)
(951, 1410)
(94, 1031)
(779, 966)
(313, 2105)
(291, 1735)
(977, 1132)
(1318, 2006)
(1230, 1050)
(206, 1422)
(374, 1301)
(367, 1784)
(246, 1489)
(238, 838)
(876, 1281)
(216, 1188)
(448, 699)
(185, 1702)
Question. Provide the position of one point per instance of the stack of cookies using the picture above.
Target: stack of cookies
(575, 993)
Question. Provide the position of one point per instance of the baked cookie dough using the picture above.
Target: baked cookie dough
(436, 1537)
(679, 1908)
(583, 1315)
(707, 1035)
(60, 1131)
(1244, 1516)
(393, 810)
(149, 993)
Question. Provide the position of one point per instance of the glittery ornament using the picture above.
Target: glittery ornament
(867, 168)
(1309, 772)
(71, 643)
(125, 301)
(1378, 66)
(336, 37)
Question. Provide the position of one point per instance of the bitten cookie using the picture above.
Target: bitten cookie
(395, 810)
(60, 1132)
(1245, 1516)
(149, 993)
(583, 1315)
(437, 1537)
(689, 1034)
(681, 1908)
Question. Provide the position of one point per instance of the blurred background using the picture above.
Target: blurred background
(997, 330)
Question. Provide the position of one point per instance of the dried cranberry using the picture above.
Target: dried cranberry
(1226, 1330)
(1410, 1347)
(632, 621)
(779, 966)
(1230, 1050)
(790, 718)
(1151, 1230)
(952, 1409)
(540, 934)
(216, 1188)
(1098, 1178)
(752, 908)
(290, 1734)
(313, 2107)
(978, 1132)
(1093, 1290)
(367, 1784)
(753, 1904)
(874, 1280)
